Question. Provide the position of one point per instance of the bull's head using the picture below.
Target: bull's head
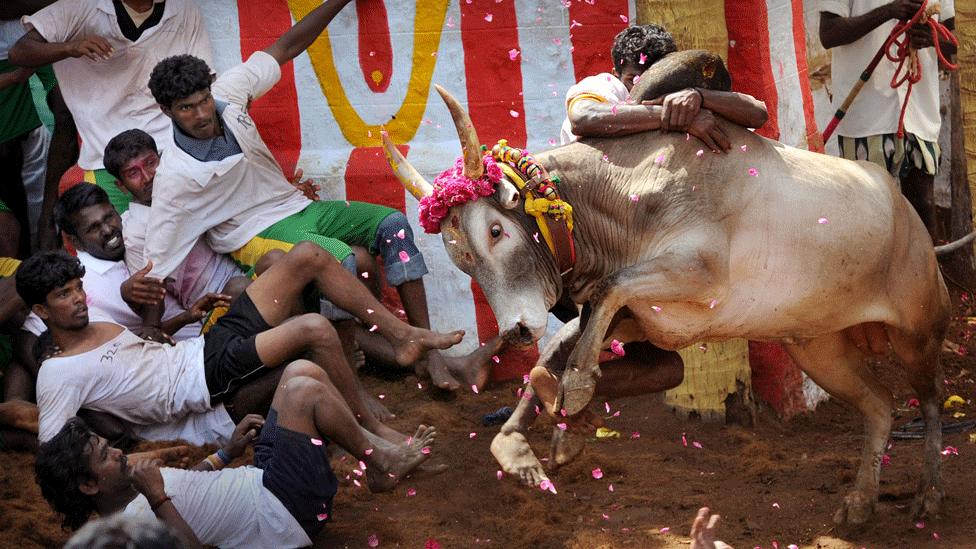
(491, 239)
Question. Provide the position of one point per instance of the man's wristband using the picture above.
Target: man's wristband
(162, 500)
(215, 462)
(222, 455)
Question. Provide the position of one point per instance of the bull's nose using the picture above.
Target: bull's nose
(524, 332)
(519, 336)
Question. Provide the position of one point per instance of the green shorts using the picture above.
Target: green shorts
(335, 225)
(119, 198)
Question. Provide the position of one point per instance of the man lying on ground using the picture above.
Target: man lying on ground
(218, 153)
(283, 501)
(192, 390)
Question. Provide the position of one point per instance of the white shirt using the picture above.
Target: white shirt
(603, 87)
(231, 200)
(877, 108)
(109, 96)
(228, 508)
(203, 271)
(142, 382)
(10, 32)
(103, 281)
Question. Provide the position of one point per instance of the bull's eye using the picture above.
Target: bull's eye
(496, 230)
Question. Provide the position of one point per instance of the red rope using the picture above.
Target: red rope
(905, 53)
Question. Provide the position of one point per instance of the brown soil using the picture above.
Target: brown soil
(775, 484)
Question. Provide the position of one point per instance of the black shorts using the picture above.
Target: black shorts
(230, 355)
(297, 472)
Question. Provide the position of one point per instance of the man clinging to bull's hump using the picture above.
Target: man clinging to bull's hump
(600, 105)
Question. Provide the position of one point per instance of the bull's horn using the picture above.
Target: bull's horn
(405, 172)
(470, 145)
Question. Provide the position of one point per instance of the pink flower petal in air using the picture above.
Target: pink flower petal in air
(920, 524)
(744, 148)
(636, 79)
(753, 172)
(489, 17)
(634, 197)
(357, 472)
(562, 426)
(316, 442)
(364, 275)
(513, 113)
(574, 24)
(535, 236)
(776, 506)
(635, 434)
(373, 328)
(495, 359)
(525, 378)
(643, 59)
(474, 388)
(697, 444)
(368, 452)
(618, 349)
(624, 18)
(655, 308)
(606, 406)
(425, 450)
(557, 42)
(404, 256)
(513, 54)
(597, 473)
(699, 153)
(472, 435)
(372, 540)
(610, 487)
(665, 530)
(499, 474)
(684, 440)
(402, 234)
(369, 311)
(357, 483)
(712, 303)
(411, 492)
(823, 221)
(950, 451)
(606, 158)
(322, 516)
(552, 142)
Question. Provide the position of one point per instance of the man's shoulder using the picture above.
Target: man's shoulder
(604, 85)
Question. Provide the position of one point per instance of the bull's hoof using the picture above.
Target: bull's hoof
(928, 502)
(564, 447)
(576, 389)
(857, 509)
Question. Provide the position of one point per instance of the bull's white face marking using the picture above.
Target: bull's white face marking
(495, 251)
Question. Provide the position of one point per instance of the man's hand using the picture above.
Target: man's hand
(903, 9)
(706, 128)
(140, 289)
(155, 333)
(678, 109)
(205, 304)
(94, 48)
(245, 432)
(308, 187)
(147, 479)
(920, 36)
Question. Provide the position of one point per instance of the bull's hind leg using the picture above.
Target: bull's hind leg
(836, 364)
(920, 357)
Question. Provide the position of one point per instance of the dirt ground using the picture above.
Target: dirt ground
(775, 483)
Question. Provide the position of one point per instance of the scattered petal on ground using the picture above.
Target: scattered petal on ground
(411, 492)
(372, 540)
(499, 474)
(665, 530)
(597, 473)
(700, 152)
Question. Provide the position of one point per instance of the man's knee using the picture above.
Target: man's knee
(316, 328)
(310, 257)
(302, 368)
(301, 391)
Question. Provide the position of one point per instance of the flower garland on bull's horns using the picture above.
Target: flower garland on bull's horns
(452, 188)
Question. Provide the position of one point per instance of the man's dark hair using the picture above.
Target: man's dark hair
(178, 77)
(41, 273)
(73, 200)
(124, 147)
(61, 467)
(651, 40)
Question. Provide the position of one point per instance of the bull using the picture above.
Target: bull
(769, 242)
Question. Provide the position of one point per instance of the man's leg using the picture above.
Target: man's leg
(12, 192)
(311, 405)
(918, 188)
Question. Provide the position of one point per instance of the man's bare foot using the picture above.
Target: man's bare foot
(513, 453)
(388, 463)
(437, 367)
(475, 367)
(377, 408)
(174, 456)
(416, 342)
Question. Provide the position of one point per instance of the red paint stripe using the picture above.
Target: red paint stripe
(375, 49)
(599, 24)
(749, 58)
(276, 114)
(494, 87)
(814, 143)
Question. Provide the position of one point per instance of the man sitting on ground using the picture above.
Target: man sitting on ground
(191, 390)
(218, 153)
(93, 226)
(283, 501)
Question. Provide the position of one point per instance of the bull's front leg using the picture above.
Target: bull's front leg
(510, 446)
(685, 277)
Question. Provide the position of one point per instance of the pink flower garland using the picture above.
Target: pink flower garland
(452, 188)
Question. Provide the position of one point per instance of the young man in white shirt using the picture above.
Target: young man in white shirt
(600, 105)
(854, 30)
(220, 179)
(233, 369)
(103, 52)
(93, 226)
(284, 500)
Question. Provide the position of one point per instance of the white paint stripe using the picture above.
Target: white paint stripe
(792, 124)
(223, 26)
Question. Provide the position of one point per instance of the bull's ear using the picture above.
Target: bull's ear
(508, 195)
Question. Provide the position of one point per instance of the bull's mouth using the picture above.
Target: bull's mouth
(520, 336)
